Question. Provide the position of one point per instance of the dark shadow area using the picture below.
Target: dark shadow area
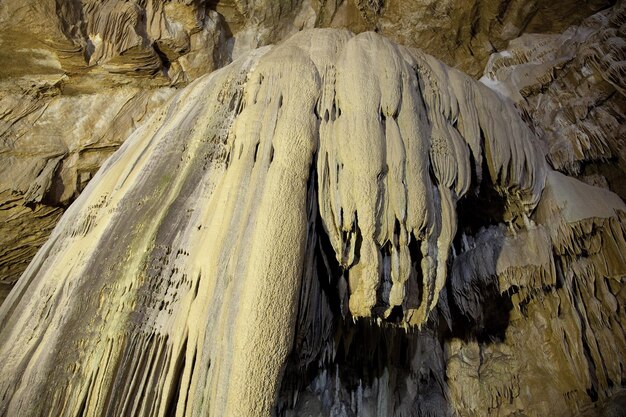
(613, 172)
(487, 323)
(486, 318)
(481, 207)
(369, 369)
(165, 61)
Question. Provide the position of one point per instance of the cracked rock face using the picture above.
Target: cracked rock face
(337, 225)
(176, 40)
(48, 157)
(461, 33)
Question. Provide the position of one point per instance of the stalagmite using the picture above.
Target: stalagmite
(292, 212)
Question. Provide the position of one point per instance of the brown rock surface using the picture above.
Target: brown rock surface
(572, 87)
(82, 76)
(51, 145)
(84, 47)
(464, 33)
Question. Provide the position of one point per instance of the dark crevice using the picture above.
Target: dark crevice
(256, 151)
(431, 173)
(484, 316)
(334, 113)
(193, 367)
(415, 284)
(480, 208)
(162, 56)
(592, 391)
(488, 322)
(384, 286)
(52, 196)
(496, 315)
(83, 406)
(610, 169)
(396, 315)
(404, 367)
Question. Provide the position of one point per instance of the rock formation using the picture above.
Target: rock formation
(337, 225)
(70, 55)
(334, 226)
(82, 76)
(572, 88)
(461, 33)
(47, 159)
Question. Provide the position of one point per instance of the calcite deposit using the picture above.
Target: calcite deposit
(76, 79)
(334, 226)
(65, 52)
(572, 88)
(47, 160)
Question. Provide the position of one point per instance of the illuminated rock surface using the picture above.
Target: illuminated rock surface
(67, 60)
(573, 90)
(337, 225)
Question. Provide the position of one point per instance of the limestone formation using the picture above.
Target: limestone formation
(572, 88)
(176, 40)
(48, 157)
(337, 225)
(461, 33)
(56, 50)
(77, 78)
(182, 39)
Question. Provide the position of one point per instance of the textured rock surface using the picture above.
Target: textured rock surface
(175, 40)
(461, 33)
(562, 279)
(51, 145)
(110, 48)
(182, 37)
(82, 76)
(572, 88)
(279, 239)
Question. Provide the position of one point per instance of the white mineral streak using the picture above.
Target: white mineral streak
(391, 116)
(172, 282)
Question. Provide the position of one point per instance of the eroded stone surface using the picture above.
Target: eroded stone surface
(571, 86)
(78, 78)
(51, 147)
(461, 33)
(277, 230)
(94, 47)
